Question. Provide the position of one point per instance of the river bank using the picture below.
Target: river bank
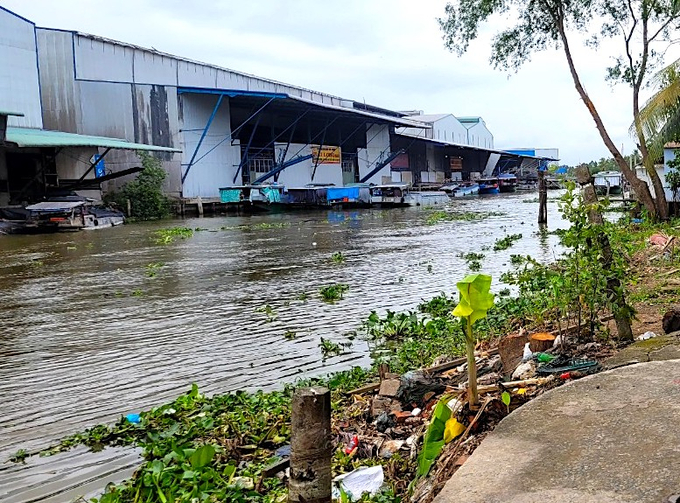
(411, 346)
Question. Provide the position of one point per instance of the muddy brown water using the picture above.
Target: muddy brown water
(88, 333)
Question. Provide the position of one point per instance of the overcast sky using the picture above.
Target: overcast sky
(388, 53)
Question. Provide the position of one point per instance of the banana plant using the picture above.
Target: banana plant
(475, 300)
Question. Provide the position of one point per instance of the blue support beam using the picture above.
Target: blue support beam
(381, 165)
(281, 167)
(203, 135)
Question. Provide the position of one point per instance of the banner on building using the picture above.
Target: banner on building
(326, 155)
(456, 163)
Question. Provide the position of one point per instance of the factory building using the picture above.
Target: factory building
(212, 127)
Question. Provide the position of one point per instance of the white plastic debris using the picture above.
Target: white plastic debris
(527, 353)
(558, 341)
(359, 482)
(454, 404)
(646, 335)
(526, 370)
(416, 412)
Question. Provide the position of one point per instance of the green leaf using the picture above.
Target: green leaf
(202, 456)
(475, 299)
(505, 397)
(188, 474)
(433, 441)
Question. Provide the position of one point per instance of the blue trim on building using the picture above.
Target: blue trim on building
(231, 93)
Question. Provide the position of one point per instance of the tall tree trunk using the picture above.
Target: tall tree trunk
(647, 161)
(639, 187)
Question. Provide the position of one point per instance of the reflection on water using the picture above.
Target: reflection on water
(91, 330)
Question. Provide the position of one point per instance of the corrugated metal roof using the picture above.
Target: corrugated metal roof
(55, 205)
(470, 120)
(385, 118)
(15, 114)
(28, 137)
(472, 147)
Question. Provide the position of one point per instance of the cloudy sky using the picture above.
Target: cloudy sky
(386, 52)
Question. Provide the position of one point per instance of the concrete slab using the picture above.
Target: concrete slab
(607, 438)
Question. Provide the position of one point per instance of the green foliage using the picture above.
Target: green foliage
(338, 258)
(153, 268)
(268, 311)
(289, 335)
(436, 216)
(329, 348)
(575, 288)
(167, 236)
(145, 193)
(673, 175)
(19, 456)
(331, 293)
(505, 398)
(506, 242)
(433, 442)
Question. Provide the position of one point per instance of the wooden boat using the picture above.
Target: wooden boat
(461, 189)
(401, 194)
(351, 196)
(281, 198)
(69, 214)
(507, 183)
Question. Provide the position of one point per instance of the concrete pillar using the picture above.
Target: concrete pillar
(542, 198)
(310, 453)
(199, 206)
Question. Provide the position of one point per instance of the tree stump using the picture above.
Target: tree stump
(511, 349)
(541, 342)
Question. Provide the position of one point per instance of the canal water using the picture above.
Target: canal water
(99, 324)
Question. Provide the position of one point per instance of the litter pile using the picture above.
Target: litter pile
(423, 419)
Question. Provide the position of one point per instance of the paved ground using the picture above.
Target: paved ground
(612, 437)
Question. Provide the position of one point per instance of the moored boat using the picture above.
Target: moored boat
(401, 194)
(466, 189)
(488, 186)
(608, 182)
(69, 214)
(351, 196)
(507, 183)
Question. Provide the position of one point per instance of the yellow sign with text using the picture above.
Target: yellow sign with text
(326, 155)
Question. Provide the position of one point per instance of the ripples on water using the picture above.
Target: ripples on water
(87, 335)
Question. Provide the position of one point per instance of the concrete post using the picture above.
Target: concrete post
(129, 208)
(614, 290)
(310, 446)
(542, 198)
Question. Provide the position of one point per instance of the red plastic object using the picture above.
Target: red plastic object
(353, 444)
(565, 376)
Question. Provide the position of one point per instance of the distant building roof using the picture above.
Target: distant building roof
(429, 118)
(28, 137)
(470, 120)
(672, 144)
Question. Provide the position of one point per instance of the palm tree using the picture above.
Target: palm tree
(660, 117)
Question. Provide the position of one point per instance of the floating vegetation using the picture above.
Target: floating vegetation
(152, 269)
(506, 242)
(338, 258)
(434, 217)
(268, 312)
(429, 268)
(19, 456)
(303, 297)
(167, 236)
(289, 335)
(517, 260)
(505, 292)
(331, 293)
(71, 248)
(137, 293)
(266, 225)
(475, 265)
(329, 348)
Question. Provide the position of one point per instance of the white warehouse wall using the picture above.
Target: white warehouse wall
(19, 87)
(378, 147)
(217, 169)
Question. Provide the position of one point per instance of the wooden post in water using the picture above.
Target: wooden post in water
(614, 290)
(128, 208)
(542, 198)
(310, 446)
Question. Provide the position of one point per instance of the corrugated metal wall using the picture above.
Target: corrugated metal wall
(19, 89)
(221, 159)
(378, 147)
